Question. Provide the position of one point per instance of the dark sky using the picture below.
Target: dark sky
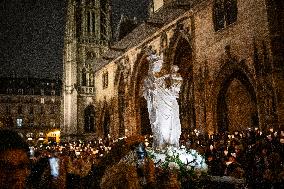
(31, 34)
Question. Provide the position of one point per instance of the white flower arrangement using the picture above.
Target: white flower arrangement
(179, 159)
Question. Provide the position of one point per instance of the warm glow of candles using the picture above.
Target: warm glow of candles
(226, 152)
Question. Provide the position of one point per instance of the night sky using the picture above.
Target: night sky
(31, 34)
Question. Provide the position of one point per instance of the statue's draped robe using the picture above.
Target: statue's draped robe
(163, 108)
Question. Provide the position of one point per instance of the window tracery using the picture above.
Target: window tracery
(224, 13)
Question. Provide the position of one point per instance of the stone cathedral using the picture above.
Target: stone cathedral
(229, 52)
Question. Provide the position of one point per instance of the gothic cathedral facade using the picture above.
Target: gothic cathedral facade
(230, 53)
(87, 36)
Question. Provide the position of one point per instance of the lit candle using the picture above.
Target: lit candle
(275, 134)
(146, 144)
(226, 152)
(211, 147)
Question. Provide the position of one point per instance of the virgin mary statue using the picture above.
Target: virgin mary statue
(161, 90)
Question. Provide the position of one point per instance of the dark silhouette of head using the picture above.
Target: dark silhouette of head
(14, 160)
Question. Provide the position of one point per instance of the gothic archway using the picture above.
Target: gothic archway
(141, 114)
(121, 106)
(89, 118)
(236, 103)
(183, 59)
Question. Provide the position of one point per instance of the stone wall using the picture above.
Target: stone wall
(230, 84)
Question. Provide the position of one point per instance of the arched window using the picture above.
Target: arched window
(105, 80)
(84, 77)
(89, 116)
(94, 22)
(88, 21)
(224, 13)
(91, 78)
(218, 15)
(231, 11)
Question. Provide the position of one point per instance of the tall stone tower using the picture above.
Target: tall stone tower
(87, 36)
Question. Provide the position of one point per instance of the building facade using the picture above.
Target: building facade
(230, 55)
(31, 106)
(87, 36)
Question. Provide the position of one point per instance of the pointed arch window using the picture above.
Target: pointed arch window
(89, 116)
(91, 78)
(231, 11)
(105, 80)
(224, 13)
(88, 21)
(93, 22)
(84, 77)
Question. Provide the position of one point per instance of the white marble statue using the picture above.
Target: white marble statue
(161, 90)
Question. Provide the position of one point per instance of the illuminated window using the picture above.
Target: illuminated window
(31, 122)
(30, 135)
(20, 91)
(9, 91)
(19, 122)
(52, 123)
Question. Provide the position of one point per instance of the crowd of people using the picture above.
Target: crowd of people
(252, 155)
